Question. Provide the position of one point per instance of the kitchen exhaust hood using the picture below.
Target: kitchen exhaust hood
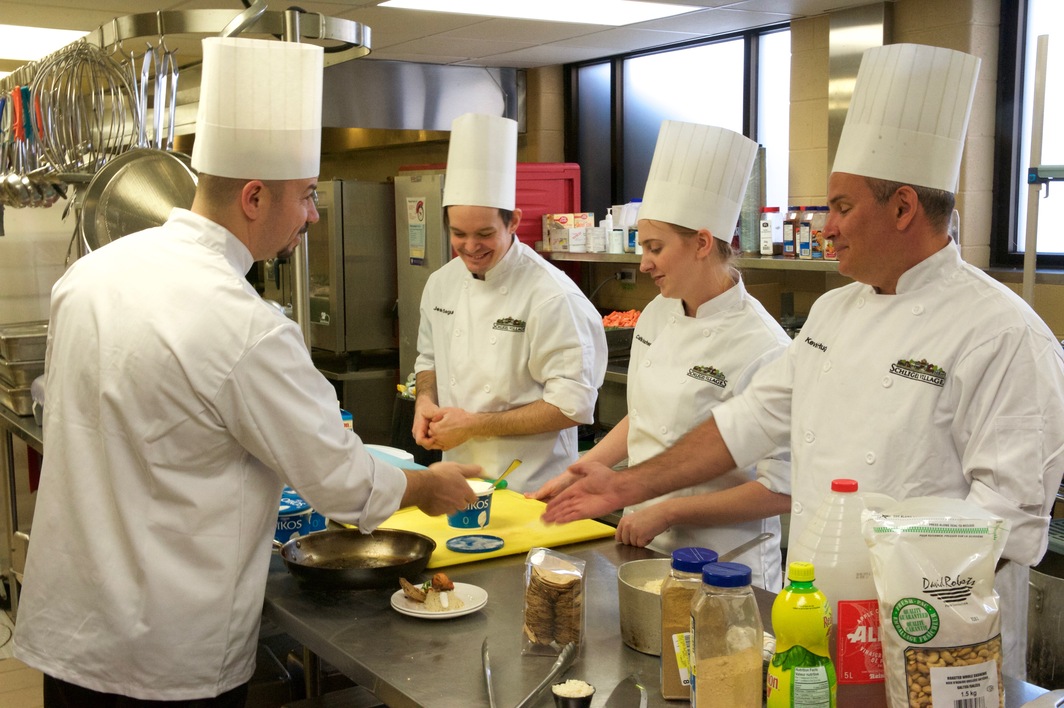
(371, 104)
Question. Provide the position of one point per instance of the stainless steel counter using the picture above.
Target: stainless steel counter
(411, 662)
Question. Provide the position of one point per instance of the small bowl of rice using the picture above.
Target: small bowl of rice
(573, 693)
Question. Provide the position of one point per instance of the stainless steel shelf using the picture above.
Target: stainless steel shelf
(744, 263)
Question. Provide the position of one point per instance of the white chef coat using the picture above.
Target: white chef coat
(179, 404)
(523, 333)
(680, 369)
(952, 387)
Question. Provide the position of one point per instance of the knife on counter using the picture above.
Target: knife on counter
(487, 672)
(629, 693)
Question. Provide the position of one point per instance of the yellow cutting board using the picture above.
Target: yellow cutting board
(514, 519)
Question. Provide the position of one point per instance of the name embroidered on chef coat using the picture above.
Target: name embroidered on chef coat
(818, 345)
(921, 371)
(509, 324)
(437, 308)
(639, 338)
(709, 374)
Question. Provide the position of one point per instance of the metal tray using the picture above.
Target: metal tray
(23, 341)
(17, 399)
(20, 373)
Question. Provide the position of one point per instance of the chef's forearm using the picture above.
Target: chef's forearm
(425, 384)
(529, 419)
(746, 502)
(698, 456)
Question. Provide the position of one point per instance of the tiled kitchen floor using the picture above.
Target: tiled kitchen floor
(20, 686)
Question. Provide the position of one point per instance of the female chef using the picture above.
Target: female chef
(695, 345)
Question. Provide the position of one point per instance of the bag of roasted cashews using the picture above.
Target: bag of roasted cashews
(933, 560)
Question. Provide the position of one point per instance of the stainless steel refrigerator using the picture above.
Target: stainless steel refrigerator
(421, 246)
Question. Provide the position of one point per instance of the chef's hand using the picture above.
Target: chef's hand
(553, 487)
(424, 411)
(440, 489)
(639, 528)
(594, 493)
(450, 427)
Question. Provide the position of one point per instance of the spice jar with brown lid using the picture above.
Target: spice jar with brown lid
(684, 579)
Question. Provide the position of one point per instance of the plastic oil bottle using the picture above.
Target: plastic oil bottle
(801, 674)
(833, 543)
(727, 637)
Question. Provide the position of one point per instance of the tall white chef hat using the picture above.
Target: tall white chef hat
(908, 115)
(259, 110)
(482, 162)
(698, 177)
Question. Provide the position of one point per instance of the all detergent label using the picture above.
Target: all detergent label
(860, 653)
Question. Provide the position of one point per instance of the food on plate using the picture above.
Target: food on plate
(437, 595)
(440, 582)
(414, 592)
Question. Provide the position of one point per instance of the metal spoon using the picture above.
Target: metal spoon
(511, 468)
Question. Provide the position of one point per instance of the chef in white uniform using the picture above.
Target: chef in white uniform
(510, 353)
(924, 377)
(695, 345)
(179, 405)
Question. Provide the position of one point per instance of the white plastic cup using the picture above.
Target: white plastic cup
(477, 514)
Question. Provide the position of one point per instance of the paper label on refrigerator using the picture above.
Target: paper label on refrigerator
(415, 229)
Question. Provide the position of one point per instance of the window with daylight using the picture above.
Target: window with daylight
(740, 82)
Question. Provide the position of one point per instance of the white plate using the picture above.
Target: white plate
(473, 597)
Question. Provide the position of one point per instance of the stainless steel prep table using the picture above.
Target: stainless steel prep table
(25, 428)
(409, 662)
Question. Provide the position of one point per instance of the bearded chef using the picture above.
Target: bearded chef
(510, 352)
(179, 405)
(696, 345)
(924, 377)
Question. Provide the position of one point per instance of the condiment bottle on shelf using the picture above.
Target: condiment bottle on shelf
(801, 674)
(727, 637)
(833, 543)
(680, 586)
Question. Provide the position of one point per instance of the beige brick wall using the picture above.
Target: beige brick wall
(970, 26)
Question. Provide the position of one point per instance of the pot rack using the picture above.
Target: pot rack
(294, 25)
(345, 40)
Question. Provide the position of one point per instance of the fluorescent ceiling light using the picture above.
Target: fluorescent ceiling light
(31, 43)
(591, 12)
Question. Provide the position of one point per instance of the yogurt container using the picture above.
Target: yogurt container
(477, 514)
(295, 517)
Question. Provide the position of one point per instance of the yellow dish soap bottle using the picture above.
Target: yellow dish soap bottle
(801, 674)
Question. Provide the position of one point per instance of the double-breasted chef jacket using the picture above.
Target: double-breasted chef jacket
(680, 369)
(193, 402)
(952, 387)
(523, 333)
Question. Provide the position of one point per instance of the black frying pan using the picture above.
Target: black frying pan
(347, 558)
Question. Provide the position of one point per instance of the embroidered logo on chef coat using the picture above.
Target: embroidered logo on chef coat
(709, 374)
(922, 371)
(437, 308)
(640, 338)
(509, 324)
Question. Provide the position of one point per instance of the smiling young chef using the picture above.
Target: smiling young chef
(697, 344)
(925, 377)
(179, 404)
(510, 353)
